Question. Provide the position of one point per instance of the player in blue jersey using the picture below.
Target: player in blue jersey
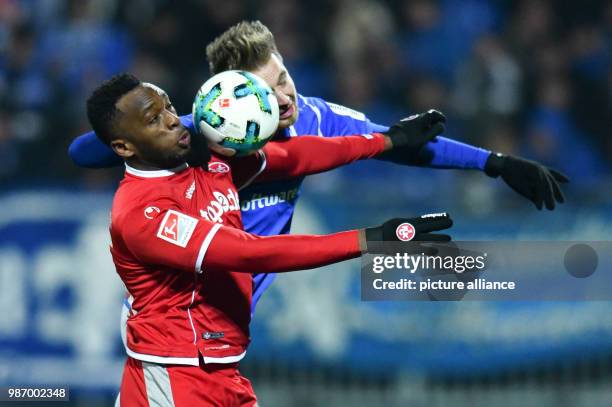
(267, 208)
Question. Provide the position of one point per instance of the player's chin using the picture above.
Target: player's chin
(183, 152)
(177, 157)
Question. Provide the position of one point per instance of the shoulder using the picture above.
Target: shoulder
(330, 111)
(134, 199)
(329, 107)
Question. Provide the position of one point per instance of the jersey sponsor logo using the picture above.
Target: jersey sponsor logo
(218, 167)
(259, 201)
(177, 228)
(151, 211)
(405, 232)
(190, 191)
(220, 205)
(345, 111)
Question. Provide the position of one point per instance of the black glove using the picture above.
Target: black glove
(533, 180)
(412, 229)
(411, 134)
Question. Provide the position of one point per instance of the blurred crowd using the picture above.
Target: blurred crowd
(530, 77)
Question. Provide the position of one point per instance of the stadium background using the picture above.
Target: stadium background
(526, 77)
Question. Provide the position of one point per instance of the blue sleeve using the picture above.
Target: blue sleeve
(89, 151)
(337, 120)
(448, 153)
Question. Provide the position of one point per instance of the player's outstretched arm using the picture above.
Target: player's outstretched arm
(277, 254)
(166, 236)
(534, 181)
(305, 155)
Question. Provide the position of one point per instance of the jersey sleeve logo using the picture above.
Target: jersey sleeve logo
(177, 228)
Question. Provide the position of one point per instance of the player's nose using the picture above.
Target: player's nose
(282, 98)
(172, 120)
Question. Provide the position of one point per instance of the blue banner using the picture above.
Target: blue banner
(60, 302)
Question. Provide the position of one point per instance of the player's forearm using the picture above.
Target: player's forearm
(235, 250)
(448, 153)
(306, 155)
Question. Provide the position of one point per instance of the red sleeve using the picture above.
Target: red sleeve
(236, 250)
(159, 233)
(305, 155)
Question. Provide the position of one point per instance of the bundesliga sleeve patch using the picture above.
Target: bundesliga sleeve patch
(177, 228)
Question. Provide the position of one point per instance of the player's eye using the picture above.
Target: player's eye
(155, 119)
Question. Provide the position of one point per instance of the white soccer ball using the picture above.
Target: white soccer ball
(236, 110)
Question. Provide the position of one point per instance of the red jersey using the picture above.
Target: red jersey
(178, 245)
(173, 215)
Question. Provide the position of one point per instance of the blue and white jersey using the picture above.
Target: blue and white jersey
(267, 208)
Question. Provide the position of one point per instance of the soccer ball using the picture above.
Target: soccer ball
(236, 110)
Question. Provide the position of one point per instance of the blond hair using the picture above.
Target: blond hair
(246, 45)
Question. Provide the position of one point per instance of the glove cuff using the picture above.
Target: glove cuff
(494, 165)
(374, 234)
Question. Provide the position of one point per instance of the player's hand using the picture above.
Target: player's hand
(416, 229)
(530, 179)
(412, 229)
(409, 135)
(227, 152)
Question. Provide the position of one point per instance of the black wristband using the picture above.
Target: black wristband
(494, 165)
(374, 234)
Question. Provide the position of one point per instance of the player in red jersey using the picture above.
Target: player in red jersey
(179, 247)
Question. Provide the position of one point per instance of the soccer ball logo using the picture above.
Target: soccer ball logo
(236, 110)
(405, 232)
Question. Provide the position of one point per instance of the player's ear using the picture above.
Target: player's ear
(123, 148)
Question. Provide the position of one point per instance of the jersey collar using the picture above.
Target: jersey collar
(155, 173)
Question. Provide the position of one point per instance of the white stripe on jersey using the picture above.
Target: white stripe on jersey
(204, 247)
(317, 113)
(164, 360)
(225, 359)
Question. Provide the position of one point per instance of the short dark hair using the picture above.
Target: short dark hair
(246, 45)
(101, 110)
